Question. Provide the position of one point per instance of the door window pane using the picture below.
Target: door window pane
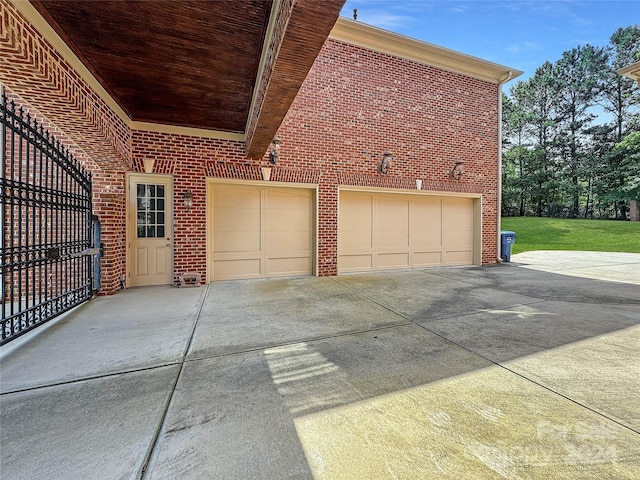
(150, 205)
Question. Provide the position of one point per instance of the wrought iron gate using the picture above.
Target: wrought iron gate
(46, 224)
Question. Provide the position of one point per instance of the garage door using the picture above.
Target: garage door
(391, 231)
(260, 231)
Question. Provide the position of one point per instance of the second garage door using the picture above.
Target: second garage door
(391, 231)
(260, 231)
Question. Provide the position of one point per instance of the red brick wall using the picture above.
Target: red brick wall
(110, 207)
(354, 105)
(49, 87)
(190, 160)
(33, 69)
(108, 200)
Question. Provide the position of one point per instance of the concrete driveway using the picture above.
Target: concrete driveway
(481, 373)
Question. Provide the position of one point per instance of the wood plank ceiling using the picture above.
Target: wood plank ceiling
(190, 63)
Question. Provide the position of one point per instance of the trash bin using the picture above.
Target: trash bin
(507, 238)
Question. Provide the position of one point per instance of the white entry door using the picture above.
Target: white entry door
(150, 230)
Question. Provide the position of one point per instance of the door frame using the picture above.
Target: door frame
(131, 220)
(211, 182)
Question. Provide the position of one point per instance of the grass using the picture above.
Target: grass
(534, 233)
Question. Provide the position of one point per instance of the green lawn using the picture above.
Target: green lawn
(534, 233)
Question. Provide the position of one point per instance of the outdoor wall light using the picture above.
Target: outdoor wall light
(273, 153)
(457, 171)
(187, 200)
(385, 163)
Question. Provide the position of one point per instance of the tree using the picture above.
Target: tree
(514, 121)
(557, 160)
(577, 78)
(620, 181)
(618, 94)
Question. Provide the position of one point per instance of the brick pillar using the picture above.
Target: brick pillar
(328, 226)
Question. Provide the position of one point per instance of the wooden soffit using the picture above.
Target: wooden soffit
(309, 25)
(224, 69)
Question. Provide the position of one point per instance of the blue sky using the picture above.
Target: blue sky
(520, 34)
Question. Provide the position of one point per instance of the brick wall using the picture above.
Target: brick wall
(34, 70)
(108, 199)
(354, 105)
(60, 99)
(190, 160)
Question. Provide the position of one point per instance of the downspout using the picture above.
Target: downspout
(499, 192)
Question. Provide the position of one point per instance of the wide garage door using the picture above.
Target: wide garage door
(260, 231)
(391, 231)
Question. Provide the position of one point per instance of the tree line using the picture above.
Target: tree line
(571, 135)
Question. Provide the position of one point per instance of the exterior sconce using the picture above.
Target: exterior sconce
(385, 163)
(187, 200)
(457, 171)
(273, 153)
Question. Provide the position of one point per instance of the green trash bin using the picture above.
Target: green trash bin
(507, 239)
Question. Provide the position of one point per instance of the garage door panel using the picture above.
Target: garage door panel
(426, 223)
(237, 219)
(355, 240)
(355, 221)
(261, 231)
(407, 231)
(290, 265)
(427, 258)
(391, 238)
(427, 239)
(288, 199)
(391, 222)
(290, 242)
(237, 269)
(288, 220)
(356, 201)
(392, 260)
(462, 257)
(355, 263)
(237, 196)
(236, 241)
(462, 240)
(237, 227)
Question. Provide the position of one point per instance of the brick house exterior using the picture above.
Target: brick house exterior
(369, 91)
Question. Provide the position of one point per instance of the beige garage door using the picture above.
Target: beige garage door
(260, 231)
(391, 231)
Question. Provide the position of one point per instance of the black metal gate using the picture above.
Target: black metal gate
(46, 222)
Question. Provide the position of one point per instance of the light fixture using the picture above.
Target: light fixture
(187, 200)
(273, 153)
(457, 171)
(385, 163)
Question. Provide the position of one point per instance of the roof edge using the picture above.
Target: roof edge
(384, 41)
(631, 71)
